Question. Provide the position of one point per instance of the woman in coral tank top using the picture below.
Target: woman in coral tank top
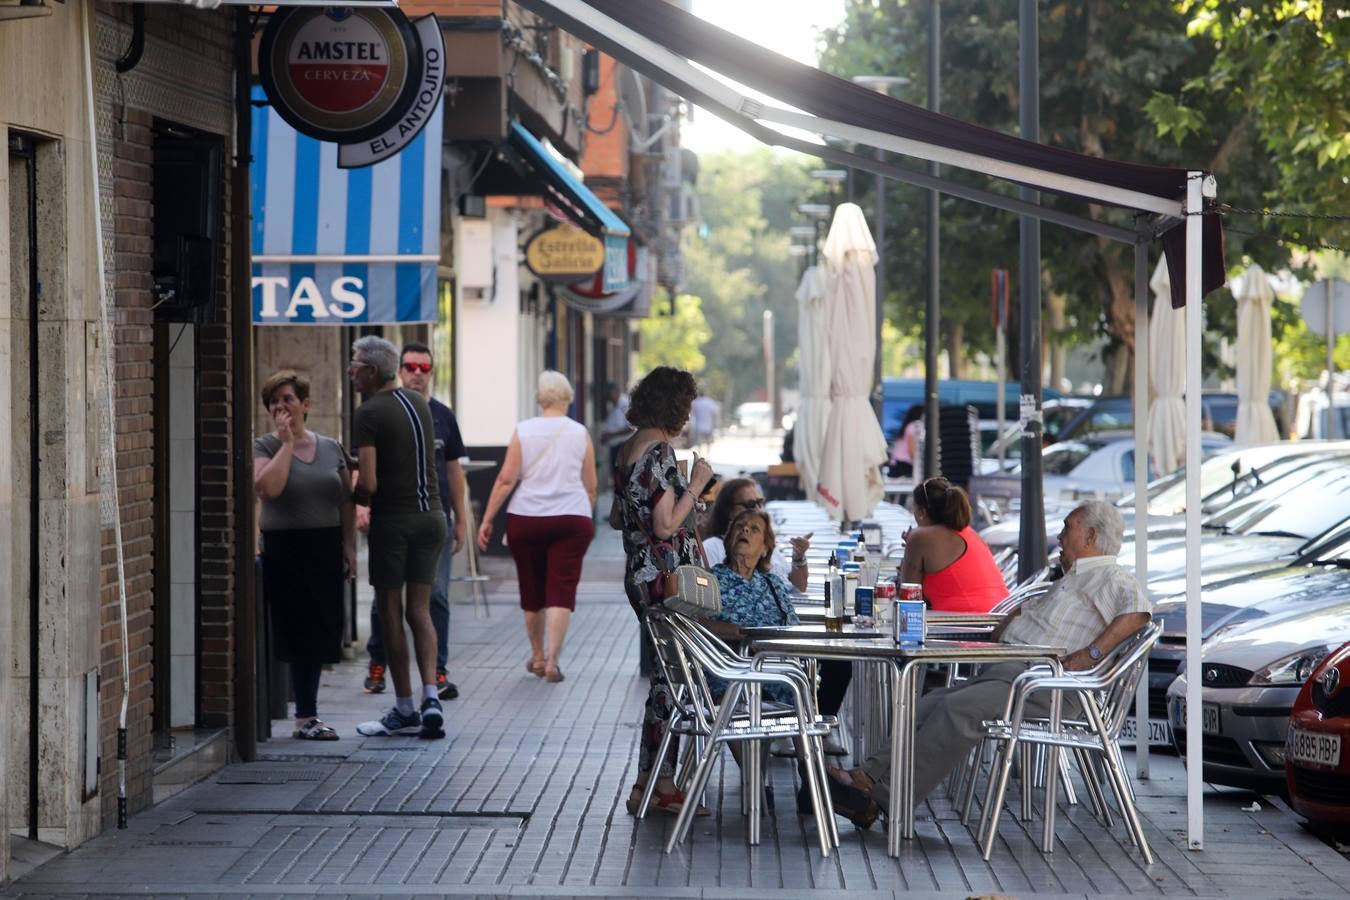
(944, 553)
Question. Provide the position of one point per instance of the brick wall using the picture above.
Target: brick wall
(134, 397)
(175, 36)
(448, 8)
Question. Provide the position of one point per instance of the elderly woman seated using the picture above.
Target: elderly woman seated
(754, 596)
(737, 496)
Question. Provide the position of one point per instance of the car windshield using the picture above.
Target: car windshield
(1332, 547)
(1218, 484)
(1301, 507)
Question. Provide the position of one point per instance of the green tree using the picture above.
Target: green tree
(673, 338)
(1101, 62)
(1284, 67)
(738, 263)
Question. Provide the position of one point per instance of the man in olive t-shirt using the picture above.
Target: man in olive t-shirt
(396, 477)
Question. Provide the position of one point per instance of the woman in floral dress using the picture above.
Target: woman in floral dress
(654, 506)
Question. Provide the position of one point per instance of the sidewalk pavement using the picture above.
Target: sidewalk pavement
(525, 798)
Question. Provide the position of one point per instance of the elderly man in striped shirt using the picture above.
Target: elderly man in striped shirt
(394, 440)
(1095, 606)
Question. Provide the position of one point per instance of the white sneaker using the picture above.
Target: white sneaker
(393, 722)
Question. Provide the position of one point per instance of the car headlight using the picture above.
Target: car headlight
(1292, 669)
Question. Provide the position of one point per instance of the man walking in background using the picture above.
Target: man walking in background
(616, 429)
(396, 477)
(703, 421)
(415, 366)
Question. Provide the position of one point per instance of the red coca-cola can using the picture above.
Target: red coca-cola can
(885, 590)
(911, 591)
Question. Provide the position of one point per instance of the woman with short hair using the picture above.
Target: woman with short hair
(945, 555)
(549, 522)
(308, 525)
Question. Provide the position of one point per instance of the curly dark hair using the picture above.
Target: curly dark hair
(662, 399)
(719, 518)
(770, 542)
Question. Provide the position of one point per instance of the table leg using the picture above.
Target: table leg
(753, 780)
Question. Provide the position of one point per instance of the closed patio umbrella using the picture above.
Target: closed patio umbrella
(849, 483)
(1255, 422)
(1166, 366)
(813, 368)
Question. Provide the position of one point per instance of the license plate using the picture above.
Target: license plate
(1209, 717)
(1159, 732)
(1314, 749)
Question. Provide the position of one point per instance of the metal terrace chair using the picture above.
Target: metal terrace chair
(686, 717)
(726, 723)
(1106, 696)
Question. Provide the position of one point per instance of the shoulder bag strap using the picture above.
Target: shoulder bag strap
(768, 577)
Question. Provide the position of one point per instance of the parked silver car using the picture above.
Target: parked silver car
(1254, 665)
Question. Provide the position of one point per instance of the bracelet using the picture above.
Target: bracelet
(798, 563)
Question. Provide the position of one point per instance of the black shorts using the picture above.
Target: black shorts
(405, 548)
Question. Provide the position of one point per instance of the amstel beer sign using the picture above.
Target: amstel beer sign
(364, 78)
(564, 253)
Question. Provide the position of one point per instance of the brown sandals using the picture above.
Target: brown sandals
(851, 797)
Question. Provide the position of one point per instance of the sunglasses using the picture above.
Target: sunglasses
(416, 367)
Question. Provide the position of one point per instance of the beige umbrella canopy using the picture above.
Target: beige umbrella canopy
(813, 367)
(1167, 372)
(1255, 422)
(849, 483)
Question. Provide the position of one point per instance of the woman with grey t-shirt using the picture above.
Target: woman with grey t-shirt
(308, 526)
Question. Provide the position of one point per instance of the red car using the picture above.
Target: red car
(1317, 750)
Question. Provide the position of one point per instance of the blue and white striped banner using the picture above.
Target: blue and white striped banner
(338, 246)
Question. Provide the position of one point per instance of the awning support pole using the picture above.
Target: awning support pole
(1141, 715)
(1195, 814)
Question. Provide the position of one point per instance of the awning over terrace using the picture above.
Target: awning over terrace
(660, 40)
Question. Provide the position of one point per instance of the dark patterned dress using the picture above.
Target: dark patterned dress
(637, 490)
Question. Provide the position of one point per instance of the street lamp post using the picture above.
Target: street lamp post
(881, 84)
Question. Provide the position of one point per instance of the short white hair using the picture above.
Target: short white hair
(554, 388)
(1106, 521)
(378, 352)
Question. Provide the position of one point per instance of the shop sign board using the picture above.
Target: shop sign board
(564, 253)
(364, 78)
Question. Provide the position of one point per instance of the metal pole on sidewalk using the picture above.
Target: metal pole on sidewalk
(932, 331)
(1031, 543)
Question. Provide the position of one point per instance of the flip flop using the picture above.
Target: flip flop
(315, 730)
(554, 675)
(535, 668)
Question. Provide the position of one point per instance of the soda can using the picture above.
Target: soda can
(885, 590)
(911, 625)
(909, 591)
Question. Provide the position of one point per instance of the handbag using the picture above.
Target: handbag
(691, 590)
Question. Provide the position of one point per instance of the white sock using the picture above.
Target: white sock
(429, 692)
(405, 705)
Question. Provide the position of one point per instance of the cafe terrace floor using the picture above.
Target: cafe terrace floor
(526, 798)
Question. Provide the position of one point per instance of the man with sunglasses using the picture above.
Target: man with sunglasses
(414, 372)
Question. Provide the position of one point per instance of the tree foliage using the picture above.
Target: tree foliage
(673, 338)
(1111, 72)
(1283, 66)
(738, 264)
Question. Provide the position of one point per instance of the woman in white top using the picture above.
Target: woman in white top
(741, 494)
(548, 522)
